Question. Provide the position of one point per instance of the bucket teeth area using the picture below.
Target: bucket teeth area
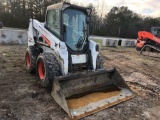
(83, 94)
(97, 100)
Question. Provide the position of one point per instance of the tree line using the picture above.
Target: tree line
(16, 13)
(122, 22)
(118, 22)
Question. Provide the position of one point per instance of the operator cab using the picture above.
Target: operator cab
(155, 31)
(70, 24)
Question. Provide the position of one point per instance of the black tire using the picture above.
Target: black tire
(48, 70)
(31, 55)
(1, 24)
(99, 62)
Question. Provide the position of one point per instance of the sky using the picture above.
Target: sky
(144, 7)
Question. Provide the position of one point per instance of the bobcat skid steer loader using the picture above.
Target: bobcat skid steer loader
(63, 57)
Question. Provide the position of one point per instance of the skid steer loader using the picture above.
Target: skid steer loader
(148, 43)
(63, 57)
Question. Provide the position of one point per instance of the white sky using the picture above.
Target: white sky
(144, 7)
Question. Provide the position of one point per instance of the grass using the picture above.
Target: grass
(98, 41)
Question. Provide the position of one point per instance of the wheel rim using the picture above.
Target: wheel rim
(28, 60)
(41, 70)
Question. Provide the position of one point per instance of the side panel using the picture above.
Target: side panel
(30, 34)
(63, 52)
(140, 43)
(148, 35)
(94, 53)
(37, 29)
(48, 37)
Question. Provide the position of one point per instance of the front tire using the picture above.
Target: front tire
(47, 67)
(99, 62)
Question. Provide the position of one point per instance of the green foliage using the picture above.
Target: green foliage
(16, 13)
(122, 22)
(96, 21)
(98, 41)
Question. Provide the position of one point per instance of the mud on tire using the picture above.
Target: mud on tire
(31, 55)
(47, 67)
(99, 62)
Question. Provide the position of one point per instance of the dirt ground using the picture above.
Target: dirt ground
(22, 98)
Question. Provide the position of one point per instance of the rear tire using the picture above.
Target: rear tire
(31, 55)
(47, 67)
(99, 62)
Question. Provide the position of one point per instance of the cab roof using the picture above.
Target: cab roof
(64, 5)
(55, 6)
